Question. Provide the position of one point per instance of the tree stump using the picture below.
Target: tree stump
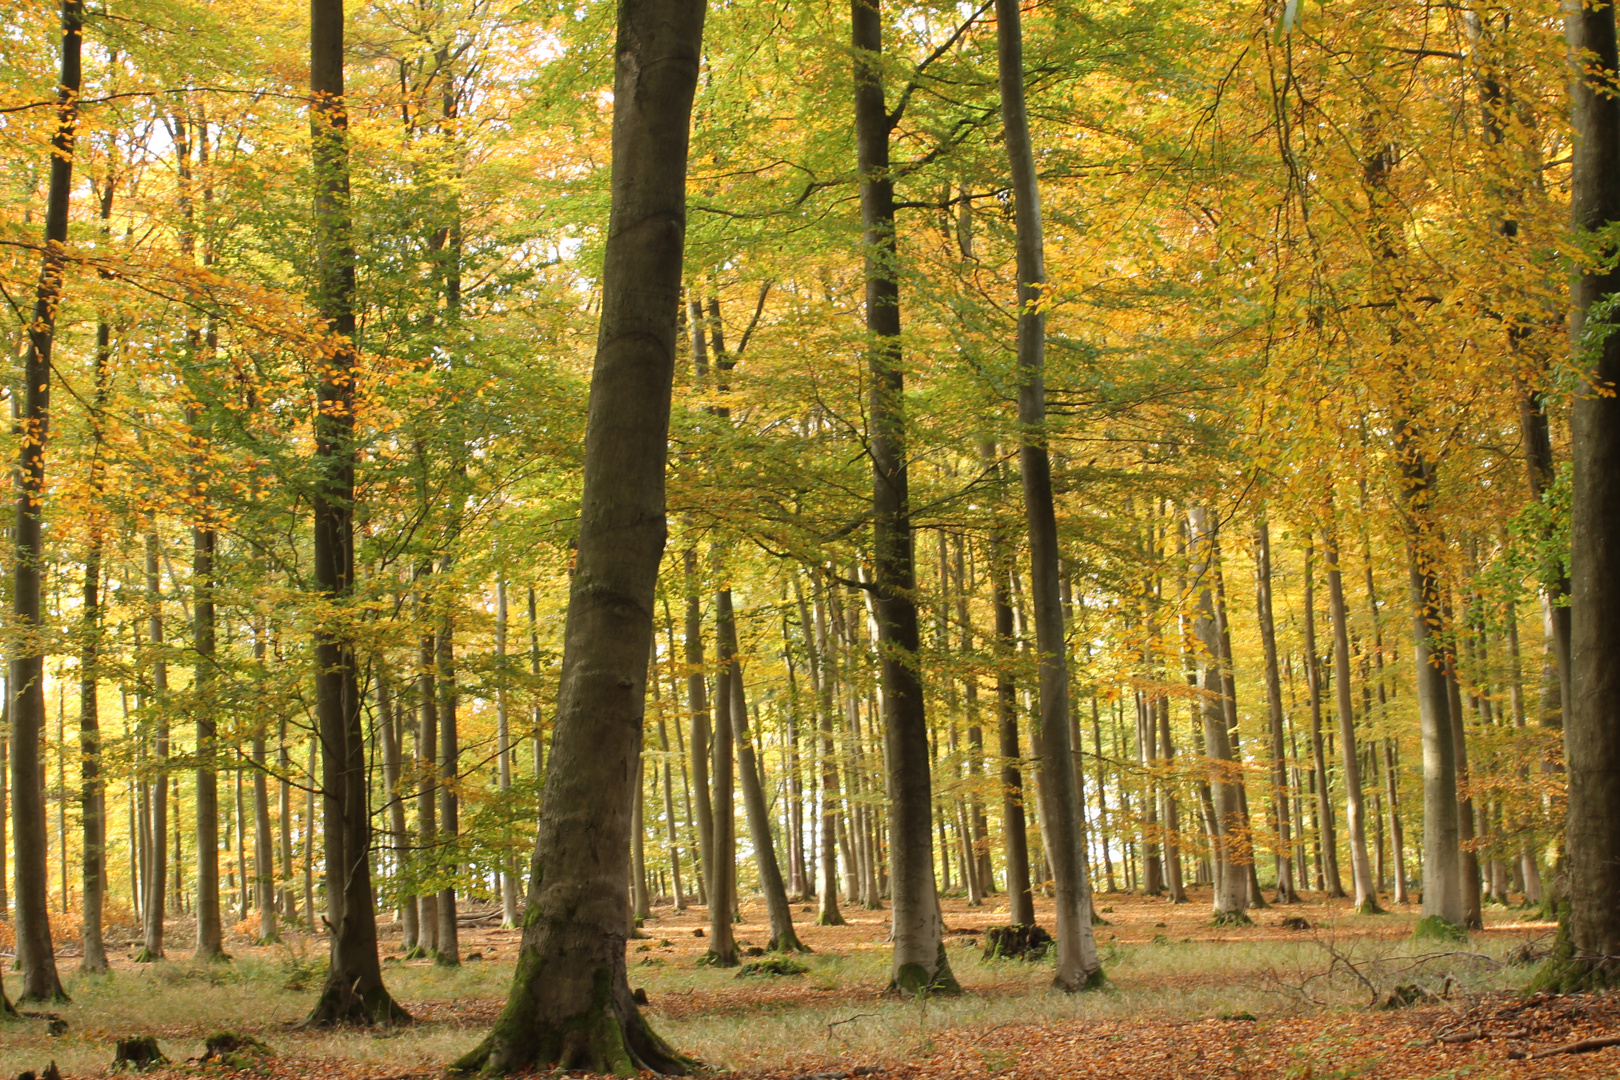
(138, 1053)
(1019, 941)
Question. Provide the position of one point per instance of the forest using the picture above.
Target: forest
(989, 538)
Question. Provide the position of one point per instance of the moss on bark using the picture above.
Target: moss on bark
(915, 980)
(607, 1037)
(1567, 972)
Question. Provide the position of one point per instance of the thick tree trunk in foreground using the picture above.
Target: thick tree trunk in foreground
(1077, 964)
(1589, 945)
(36, 956)
(570, 1004)
(354, 991)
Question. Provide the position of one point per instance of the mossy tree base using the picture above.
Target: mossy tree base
(1370, 907)
(1566, 972)
(915, 980)
(831, 918)
(147, 956)
(1096, 980)
(788, 942)
(1435, 928)
(342, 1003)
(1231, 918)
(416, 952)
(610, 1036)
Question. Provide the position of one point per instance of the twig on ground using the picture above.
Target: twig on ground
(1583, 1046)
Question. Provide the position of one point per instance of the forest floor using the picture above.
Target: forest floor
(1185, 1001)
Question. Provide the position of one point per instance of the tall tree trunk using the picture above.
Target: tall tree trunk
(1286, 893)
(722, 863)
(919, 961)
(354, 990)
(1015, 843)
(427, 765)
(35, 954)
(1231, 847)
(571, 1003)
(1326, 835)
(92, 791)
(448, 951)
(697, 705)
(157, 877)
(822, 665)
(503, 752)
(1355, 806)
(210, 932)
(783, 938)
(388, 719)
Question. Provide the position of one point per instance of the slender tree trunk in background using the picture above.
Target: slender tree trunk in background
(92, 791)
(309, 835)
(289, 905)
(157, 878)
(1286, 893)
(829, 913)
(1326, 836)
(36, 956)
(1020, 900)
(677, 892)
(210, 932)
(919, 961)
(1172, 811)
(1228, 669)
(503, 753)
(388, 718)
(641, 904)
(427, 765)
(354, 991)
(783, 937)
(697, 705)
(1397, 835)
(980, 838)
(571, 1004)
(448, 947)
(1355, 805)
(5, 798)
(264, 857)
(722, 863)
(1231, 854)
(1466, 832)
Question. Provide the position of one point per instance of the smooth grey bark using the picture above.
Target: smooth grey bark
(1327, 837)
(503, 751)
(36, 957)
(354, 991)
(210, 931)
(697, 705)
(1232, 852)
(1286, 892)
(1442, 855)
(824, 677)
(92, 790)
(448, 950)
(427, 763)
(157, 876)
(1078, 965)
(1015, 840)
(264, 858)
(919, 963)
(722, 864)
(571, 1003)
(388, 720)
(783, 937)
(1355, 804)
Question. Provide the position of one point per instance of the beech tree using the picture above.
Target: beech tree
(1589, 940)
(570, 1005)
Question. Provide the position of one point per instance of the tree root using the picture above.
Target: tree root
(340, 1005)
(608, 1037)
